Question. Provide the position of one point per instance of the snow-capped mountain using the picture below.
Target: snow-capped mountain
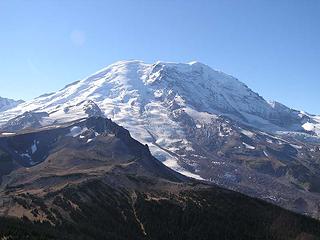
(130, 86)
(200, 122)
(6, 103)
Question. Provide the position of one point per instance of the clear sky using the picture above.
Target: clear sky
(271, 45)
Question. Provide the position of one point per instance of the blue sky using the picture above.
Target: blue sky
(271, 45)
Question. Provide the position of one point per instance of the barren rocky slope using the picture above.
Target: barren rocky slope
(90, 179)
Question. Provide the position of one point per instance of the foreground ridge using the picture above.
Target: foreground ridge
(89, 179)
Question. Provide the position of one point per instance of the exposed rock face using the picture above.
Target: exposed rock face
(92, 109)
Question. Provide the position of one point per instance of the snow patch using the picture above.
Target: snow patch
(34, 147)
(203, 117)
(248, 146)
(308, 126)
(269, 141)
(7, 134)
(248, 133)
(76, 131)
(296, 146)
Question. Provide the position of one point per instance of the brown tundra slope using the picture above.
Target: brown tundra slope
(90, 179)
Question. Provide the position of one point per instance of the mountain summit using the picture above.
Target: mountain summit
(194, 85)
